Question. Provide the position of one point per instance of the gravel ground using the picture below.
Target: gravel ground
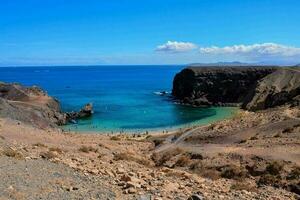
(41, 179)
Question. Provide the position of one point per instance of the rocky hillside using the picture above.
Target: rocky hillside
(31, 105)
(280, 87)
(252, 87)
(216, 85)
(34, 106)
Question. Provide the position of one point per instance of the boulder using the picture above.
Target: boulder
(85, 112)
(196, 197)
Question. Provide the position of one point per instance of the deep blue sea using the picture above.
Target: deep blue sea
(124, 97)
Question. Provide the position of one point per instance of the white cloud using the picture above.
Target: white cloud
(264, 50)
(175, 47)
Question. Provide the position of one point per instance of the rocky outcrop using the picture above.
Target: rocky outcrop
(254, 88)
(206, 86)
(85, 112)
(278, 88)
(32, 105)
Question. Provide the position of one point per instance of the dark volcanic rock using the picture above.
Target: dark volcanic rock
(278, 88)
(205, 86)
(85, 112)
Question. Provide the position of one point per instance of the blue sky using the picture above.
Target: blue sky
(56, 32)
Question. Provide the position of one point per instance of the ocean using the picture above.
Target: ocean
(125, 98)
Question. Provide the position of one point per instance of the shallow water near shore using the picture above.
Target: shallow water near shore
(125, 98)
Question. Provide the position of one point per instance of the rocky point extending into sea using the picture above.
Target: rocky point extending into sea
(251, 87)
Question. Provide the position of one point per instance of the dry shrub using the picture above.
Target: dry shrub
(12, 153)
(196, 156)
(242, 141)
(288, 130)
(183, 161)
(115, 138)
(198, 168)
(294, 174)
(268, 179)
(233, 172)
(58, 150)
(274, 168)
(212, 174)
(239, 185)
(158, 142)
(278, 135)
(148, 137)
(255, 169)
(235, 156)
(2, 137)
(296, 125)
(131, 157)
(48, 155)
(87, 149)
(161, 158)
(253, 138)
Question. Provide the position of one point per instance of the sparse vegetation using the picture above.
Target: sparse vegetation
(274, 168)
(239, 185)
(278, 135)
(158, 141)
(183, 160)
(288, 130)
(243, 141)
(56, 149)
(161, 158)
(212, 174)
(12, 153)
(268, 179)
(115, 138)
(233, 172)
(131, 157)
(199, 168)
(48, 155)
(253, 138)
(294, 174)
(87, 149)
(196, 156)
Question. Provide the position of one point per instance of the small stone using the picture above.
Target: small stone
(120, 170)
(131, 174)
(125, 178)
(131, 190)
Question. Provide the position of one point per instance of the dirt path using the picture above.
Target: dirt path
(41, 179)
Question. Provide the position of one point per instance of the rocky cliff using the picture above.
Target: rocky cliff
(34, 106)
(204, 86)
(278, 88)
(31, 105)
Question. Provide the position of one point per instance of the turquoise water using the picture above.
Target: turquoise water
(124, 97)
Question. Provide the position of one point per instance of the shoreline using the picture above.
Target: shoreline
(111, 158)
(201, 122)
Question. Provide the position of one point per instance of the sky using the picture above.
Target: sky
(122, 32)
